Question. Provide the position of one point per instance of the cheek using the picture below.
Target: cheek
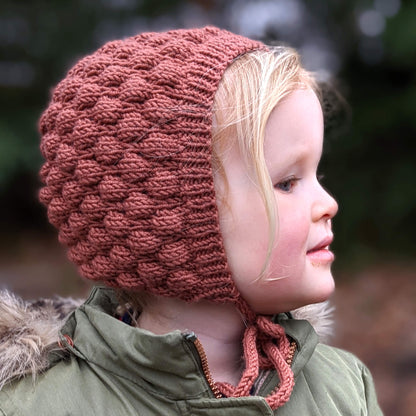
(293, 228)
(291, 240)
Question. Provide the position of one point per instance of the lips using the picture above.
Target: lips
(324, 243)
(320, 254)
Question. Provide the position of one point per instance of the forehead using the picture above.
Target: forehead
(294, 129)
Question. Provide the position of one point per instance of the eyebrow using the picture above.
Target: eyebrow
(300, 157)
(297, 159)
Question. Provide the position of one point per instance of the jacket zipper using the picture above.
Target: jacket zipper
(204, 363)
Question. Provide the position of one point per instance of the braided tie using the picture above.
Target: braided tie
(265, 346)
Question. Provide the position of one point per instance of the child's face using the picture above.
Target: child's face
(300, 263)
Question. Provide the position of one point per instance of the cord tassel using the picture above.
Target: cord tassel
(265, 346)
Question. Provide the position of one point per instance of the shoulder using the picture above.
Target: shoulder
(343, 377)
(329, 354)
(340, 365)
(86, 378)
(29, 352)
(71, 387)
(324, 372)
(57, 391)
(28, 333)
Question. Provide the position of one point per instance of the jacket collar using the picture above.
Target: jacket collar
(305, 336)
(162, 362)
(168, 363)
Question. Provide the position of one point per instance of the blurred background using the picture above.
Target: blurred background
(367, 49)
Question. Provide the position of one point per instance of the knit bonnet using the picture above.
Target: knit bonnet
(128, 180)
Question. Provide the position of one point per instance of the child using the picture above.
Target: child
(181, 171)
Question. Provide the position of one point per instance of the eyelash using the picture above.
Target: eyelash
(291, 182)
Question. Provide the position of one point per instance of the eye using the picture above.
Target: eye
(287, 185)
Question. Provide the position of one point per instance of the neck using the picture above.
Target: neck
(219, 327)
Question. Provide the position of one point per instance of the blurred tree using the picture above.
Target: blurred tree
(373, 168)
(39, 41)
(369, 45)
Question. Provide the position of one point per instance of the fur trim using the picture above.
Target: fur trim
(320, 316)
(28, 333)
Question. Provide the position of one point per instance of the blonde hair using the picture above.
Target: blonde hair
(251, 87)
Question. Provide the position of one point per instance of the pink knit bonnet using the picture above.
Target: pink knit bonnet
(129, 182)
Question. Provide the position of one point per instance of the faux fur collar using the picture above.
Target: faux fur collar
(29, 331)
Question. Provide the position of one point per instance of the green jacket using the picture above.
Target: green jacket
(116, 369)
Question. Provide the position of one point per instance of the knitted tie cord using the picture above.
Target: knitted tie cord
(128, 180)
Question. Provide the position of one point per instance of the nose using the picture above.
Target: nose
(325, 206)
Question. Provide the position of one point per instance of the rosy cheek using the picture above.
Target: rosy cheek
(293, 228)
(292, 239)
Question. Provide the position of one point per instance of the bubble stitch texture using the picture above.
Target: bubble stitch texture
(128, 179)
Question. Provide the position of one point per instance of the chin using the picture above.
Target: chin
(326, 289)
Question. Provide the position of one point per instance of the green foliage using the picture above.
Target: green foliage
(400, 36)
(370, 170)
(19, 149)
